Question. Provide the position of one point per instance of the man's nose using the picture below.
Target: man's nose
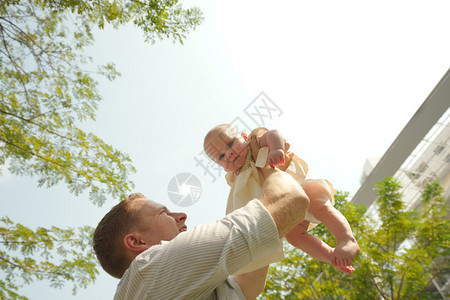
(179, 216)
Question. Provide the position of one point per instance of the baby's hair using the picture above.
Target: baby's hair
(226, 130)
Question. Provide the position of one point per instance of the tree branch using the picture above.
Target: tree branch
(55, 163)
(32, 153)
(33, 270)
(375, 285)
(423, 288)
(39, 125)
(25, 35)
(48, 112)
(400, 286)
(6, 242)
(13, 62)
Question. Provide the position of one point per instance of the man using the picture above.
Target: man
(148, 247)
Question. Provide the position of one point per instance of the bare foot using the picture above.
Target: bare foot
(346, 269)
(344, 253)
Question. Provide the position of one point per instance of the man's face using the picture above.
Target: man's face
(157, 223)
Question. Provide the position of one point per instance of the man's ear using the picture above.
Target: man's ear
(133, 242)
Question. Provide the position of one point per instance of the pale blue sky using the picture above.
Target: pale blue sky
(346, 75)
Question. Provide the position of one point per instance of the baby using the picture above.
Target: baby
(243, 157)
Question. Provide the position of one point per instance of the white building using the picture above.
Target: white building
(419, 155)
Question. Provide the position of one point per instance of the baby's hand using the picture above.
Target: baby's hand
(276, 158)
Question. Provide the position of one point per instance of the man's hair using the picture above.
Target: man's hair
(109, 234)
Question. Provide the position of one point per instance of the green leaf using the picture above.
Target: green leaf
(48, 88)
(401, 252)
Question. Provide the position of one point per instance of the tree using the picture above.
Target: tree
(401, 252)
(48, 88)
(299, 276)
(55, 254)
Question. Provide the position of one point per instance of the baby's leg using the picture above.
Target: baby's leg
(322, 209)
(308, 243)
(313, 246)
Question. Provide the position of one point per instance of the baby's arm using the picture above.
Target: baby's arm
(276, 143)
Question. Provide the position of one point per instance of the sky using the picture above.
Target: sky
(340, 80)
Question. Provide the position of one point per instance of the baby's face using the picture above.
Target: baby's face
(226, 148)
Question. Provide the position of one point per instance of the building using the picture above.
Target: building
(419, 155)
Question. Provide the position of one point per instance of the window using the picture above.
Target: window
(422, 167)
(413, 175)
(438, 150)
(447, 159)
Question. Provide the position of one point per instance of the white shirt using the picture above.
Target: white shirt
(197, 263)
